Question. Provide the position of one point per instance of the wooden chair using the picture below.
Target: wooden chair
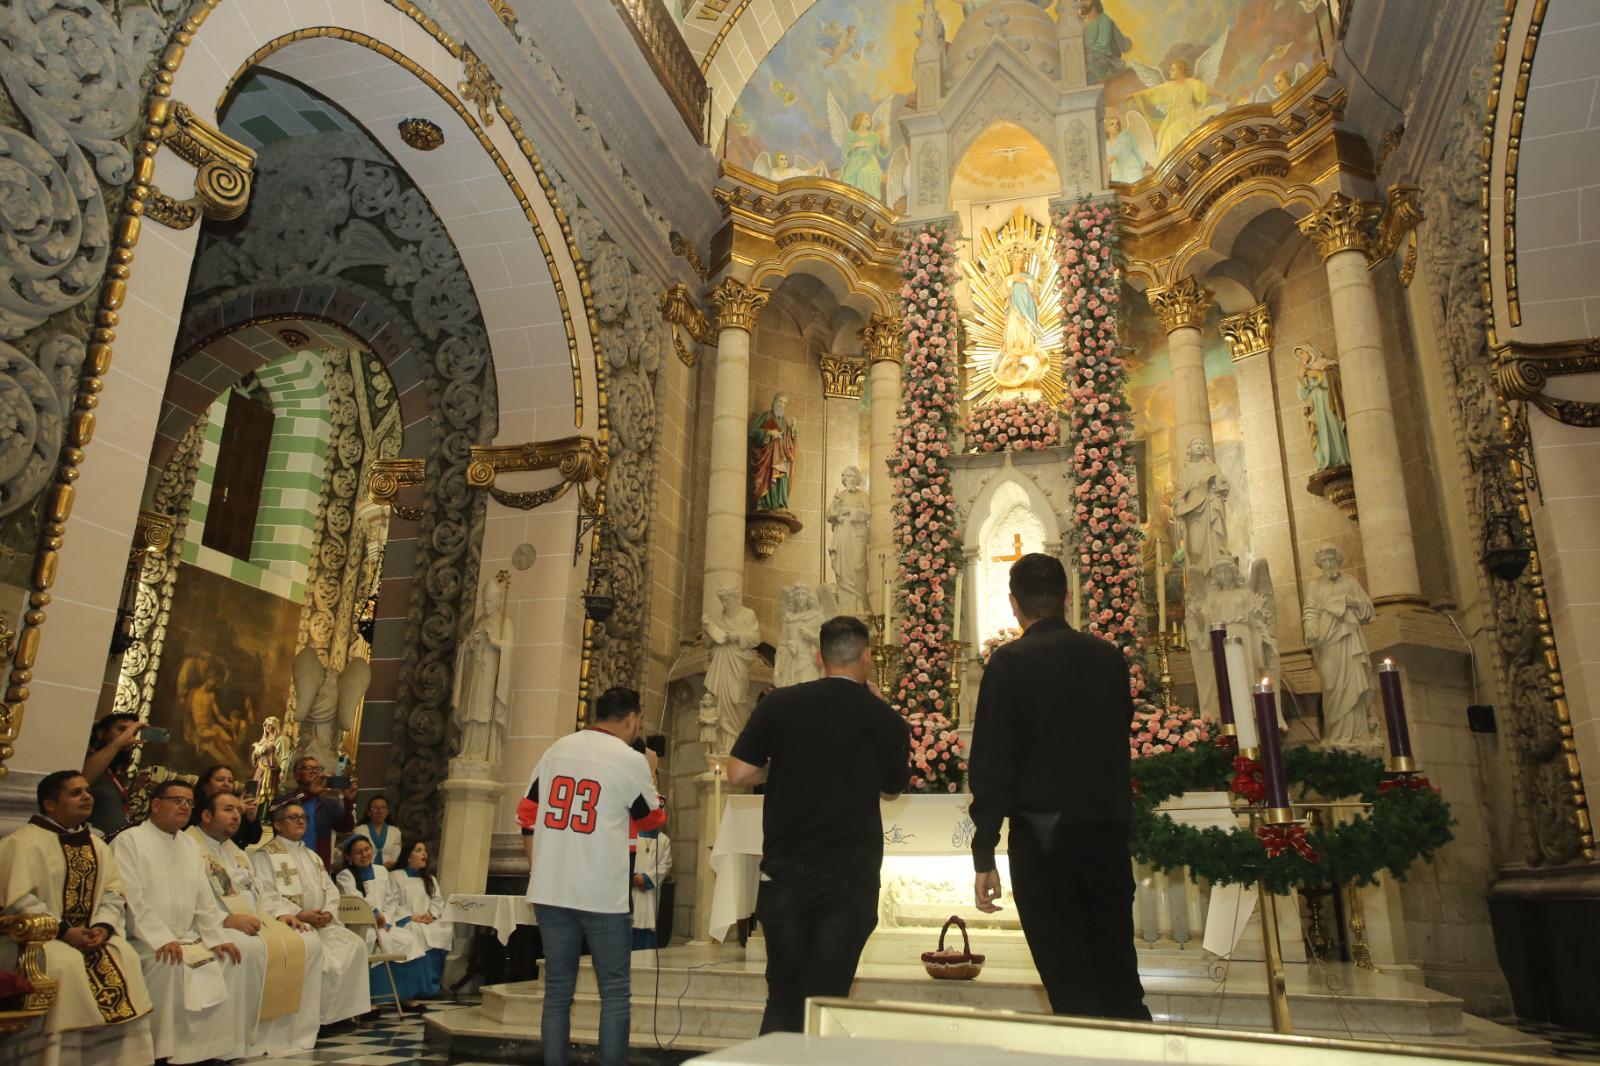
(356, 913)
(30, 931)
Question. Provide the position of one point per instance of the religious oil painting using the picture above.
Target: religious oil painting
(225, 669)
(829, 98)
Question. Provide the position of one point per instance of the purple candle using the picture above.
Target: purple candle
(1219, 666)
(1277, 783)
(1394, 717)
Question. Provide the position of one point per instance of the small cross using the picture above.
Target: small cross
(285, 876)
(1016, 551)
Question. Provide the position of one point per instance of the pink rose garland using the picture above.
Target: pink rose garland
(925, 518)
(1013, 424)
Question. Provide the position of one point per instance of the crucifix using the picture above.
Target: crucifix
(1016, 551)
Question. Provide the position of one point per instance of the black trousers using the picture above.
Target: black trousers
(1074, 893)
(816, 924)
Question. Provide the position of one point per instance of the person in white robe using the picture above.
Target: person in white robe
(290, 1012)
(652, 862)
(54, 865)
(296, 873)
(204, 980)
(395, 932)
(419, 892)
(375, 826)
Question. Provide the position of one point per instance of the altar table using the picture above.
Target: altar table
(503, 913)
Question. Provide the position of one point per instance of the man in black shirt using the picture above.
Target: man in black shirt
(826, 750)
(1050, 751)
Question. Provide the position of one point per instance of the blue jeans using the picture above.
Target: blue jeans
(610, 938)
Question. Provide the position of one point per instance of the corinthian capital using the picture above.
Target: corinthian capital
(1248, 332)
(880, 339)
(738, 304)
(1342, 225)
(1183, 303)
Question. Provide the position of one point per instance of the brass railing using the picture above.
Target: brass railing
(657, 34)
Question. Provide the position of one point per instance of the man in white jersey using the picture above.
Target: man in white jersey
(575, 819)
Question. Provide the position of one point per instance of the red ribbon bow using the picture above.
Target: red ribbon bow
(1247, 781)
(1413, 782)
(1277, 839)
(1135, 783)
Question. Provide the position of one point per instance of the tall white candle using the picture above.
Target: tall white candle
(955, 609)
(886, 595)
(1244, 718)
(1077, 598)
(1161, 589)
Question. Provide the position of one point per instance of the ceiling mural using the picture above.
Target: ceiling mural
(828, 98)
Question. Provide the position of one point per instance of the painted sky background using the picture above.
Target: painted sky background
(784, 106)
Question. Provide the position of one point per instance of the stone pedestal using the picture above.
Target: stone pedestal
(471, 796)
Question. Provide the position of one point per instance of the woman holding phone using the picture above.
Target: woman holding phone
(218, 779)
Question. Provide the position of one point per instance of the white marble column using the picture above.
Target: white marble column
(738, 305)
(1182, 308)
(471, 800)
(1338, 230)
(1249, 336)
(881, 343)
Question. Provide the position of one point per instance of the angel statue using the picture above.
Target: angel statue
(864, 143)
(326, 702)
(1322, 400)
(269, 759)
(482, 691)
(1181, 102)
(1250, 613)
(1336, 608)
(800, 637)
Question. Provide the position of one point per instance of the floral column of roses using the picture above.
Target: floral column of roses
(925, 518)
(1106, 504)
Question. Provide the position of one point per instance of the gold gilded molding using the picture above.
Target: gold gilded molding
(1522, 369)
(1519, 109)
(1183, 304)
(844, 377)
(679, 311)
(420, 133)
(388, 477)
(722, 31)
(684, 249)
(152, 531)
(1248, 332)
(738, 304)
(478, 87)
(880, 338)
(664, 48)
(1341, 224)
(505, 13)
(224, 169)
(578, 459)
(1402, 214)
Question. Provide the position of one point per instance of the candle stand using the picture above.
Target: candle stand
(954, 649)
(883, 655)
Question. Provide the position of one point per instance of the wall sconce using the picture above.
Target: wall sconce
(598, 598)
(1506, 551)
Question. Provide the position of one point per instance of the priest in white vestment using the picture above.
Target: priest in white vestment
(204, 980)
(291, 1010)
(54, 865)
(296, 873)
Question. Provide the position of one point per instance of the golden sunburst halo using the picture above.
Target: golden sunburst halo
(1028, 363)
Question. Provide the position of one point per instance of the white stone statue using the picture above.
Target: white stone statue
(800, 637)
(707, 720)
(1197, 631)
(1336, 608)
(1199, 501)
(849, 513)
(1250, 614)
(732, 633)
(326, 702)
(481, 695)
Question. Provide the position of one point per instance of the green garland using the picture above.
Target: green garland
(1405, 823)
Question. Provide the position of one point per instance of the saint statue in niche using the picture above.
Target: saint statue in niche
(732, 633)
(1336, 608)
(849, 513)
(482, 690)
(1199, 502)
(1322, 399)
(772, 452)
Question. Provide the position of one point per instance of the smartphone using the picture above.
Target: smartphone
(155, 734)
(339, 783)
(252, 789)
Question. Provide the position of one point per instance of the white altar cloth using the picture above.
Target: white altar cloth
(912, 825)
(503, 913)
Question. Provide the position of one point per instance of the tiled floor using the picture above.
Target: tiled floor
(1566, 1043)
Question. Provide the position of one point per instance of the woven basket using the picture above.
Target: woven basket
(960, 965)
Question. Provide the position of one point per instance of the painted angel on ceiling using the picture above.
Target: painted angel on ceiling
(781, 166)
(1130, 146)
(1182, 101)
(837, 40)
(863, 142)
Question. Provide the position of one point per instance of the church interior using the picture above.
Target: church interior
(389, 378)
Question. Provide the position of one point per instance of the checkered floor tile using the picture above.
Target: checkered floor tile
(1565, 1043)
(388, 1041)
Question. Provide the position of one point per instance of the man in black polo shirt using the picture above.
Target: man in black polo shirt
(1050, 751)
(826, 750)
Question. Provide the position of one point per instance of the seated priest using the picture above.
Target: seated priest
(419, 894)
(54, 865)
(291, 1007)
(364, 876)
(298, 876)
(205, 980)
